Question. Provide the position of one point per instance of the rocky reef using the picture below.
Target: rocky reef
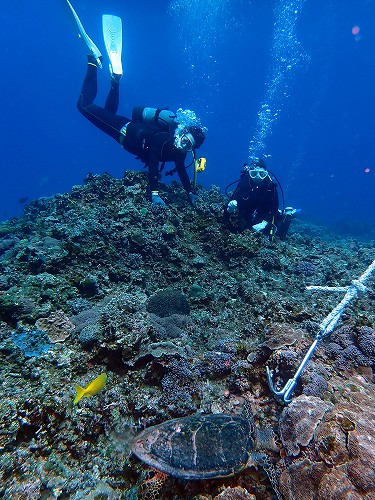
(183, 313)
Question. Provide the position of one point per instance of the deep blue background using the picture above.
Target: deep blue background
(210, 56)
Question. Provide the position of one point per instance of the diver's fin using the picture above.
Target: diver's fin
(112, 33)
(91, 47)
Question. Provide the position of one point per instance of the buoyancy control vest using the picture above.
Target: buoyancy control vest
(163, 119)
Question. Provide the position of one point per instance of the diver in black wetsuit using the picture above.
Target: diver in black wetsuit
(153, 135)
(256, 202)
(151, 141)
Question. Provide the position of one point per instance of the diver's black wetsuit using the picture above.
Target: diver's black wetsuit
(145, 140)
(256, 202)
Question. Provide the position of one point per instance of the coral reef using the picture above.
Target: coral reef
(298, 422)
(183, 315)
(57, 326)
(32, 342)
(335, 458)
(351, 346)
(167, 302)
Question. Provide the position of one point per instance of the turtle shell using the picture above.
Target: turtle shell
(197, 447)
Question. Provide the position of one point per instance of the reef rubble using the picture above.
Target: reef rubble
(183, 314)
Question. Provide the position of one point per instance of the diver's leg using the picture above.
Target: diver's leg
(112, 102)
(103, 119)
(90, 84)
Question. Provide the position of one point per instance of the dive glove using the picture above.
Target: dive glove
(156, 200)
(232, 207)
(291, 211)
(261, 225)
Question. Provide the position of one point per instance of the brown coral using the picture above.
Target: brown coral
(299, 420)
(301, 480)
(236, 493)
(280, 335)
(57, 326)
(336, 485)
(337, 462)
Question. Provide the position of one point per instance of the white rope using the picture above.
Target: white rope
(327, 288)
(326, 327)
(357, 286)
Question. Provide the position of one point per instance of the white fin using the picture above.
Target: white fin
(112, 33)
(92, 48)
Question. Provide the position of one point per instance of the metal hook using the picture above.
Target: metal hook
(285, 393)
(326, 327)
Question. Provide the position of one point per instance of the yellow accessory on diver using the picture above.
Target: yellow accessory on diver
(200, 164)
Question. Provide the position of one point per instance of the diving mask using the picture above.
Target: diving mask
(185, 142)
(258, 174)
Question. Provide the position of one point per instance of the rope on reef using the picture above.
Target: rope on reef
(356, 287)
(325, 328)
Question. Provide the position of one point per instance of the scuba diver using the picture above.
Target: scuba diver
(255, 201)
(153, 135)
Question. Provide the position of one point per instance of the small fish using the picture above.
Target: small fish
(93, 388)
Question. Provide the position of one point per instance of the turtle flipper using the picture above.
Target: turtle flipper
(264, 461)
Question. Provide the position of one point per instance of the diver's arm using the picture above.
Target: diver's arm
(153, 168)
(182, 173)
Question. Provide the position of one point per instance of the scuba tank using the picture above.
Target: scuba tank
(162, 118)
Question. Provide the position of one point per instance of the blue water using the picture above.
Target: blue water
(287, 80)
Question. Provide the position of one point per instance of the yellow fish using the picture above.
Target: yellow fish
(93, 388)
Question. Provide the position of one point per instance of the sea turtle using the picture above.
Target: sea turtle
(207, 446)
